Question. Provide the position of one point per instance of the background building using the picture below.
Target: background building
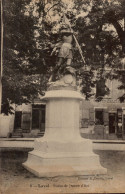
(106, 117)
(103, 119)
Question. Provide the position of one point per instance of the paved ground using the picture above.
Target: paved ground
(118, 145)
(15, 179)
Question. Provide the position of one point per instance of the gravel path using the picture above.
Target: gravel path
(15, 179)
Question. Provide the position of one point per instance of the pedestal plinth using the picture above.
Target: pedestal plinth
(62, 151)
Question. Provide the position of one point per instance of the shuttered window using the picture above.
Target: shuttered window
(26, 121)
(106, 117)
(91, 116)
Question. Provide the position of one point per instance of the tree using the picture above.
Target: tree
(101, 29)
(23, 63)
(30, 27)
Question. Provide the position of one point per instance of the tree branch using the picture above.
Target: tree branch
(118, 29)
(51, 7)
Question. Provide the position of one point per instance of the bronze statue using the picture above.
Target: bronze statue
(65, 54)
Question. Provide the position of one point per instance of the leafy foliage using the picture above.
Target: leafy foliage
(31, 28)
(101, 32)
(23, 65)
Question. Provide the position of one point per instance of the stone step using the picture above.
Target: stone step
(20, 131)
(16, 136)
(40, 134)
(98, 127)
(16, 133)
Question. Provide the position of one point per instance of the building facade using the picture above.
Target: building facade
(28, 120)
(104, 119)
(98, 120)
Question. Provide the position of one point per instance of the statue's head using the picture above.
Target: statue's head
(65, 29)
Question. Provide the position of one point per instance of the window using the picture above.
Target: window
(35, 118)
(100, 88)
(18, 119)
(38, 117)
(99, 117)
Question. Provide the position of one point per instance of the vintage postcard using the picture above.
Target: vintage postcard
(62, 96)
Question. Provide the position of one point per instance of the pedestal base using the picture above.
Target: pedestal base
(50, 159)
(53, 171)
(62, 151)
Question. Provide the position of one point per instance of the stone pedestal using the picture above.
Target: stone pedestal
(62, 151)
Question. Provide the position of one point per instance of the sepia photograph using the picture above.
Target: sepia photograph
(62, 96)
